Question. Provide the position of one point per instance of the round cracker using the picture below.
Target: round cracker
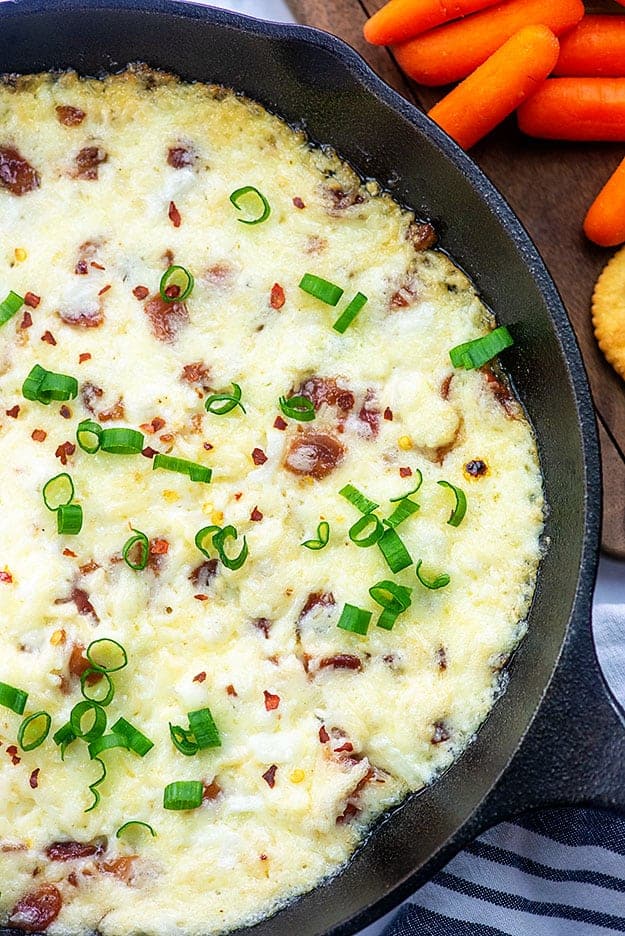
(608, 312)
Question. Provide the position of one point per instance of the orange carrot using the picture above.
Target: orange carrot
(595, 47)
(576, 109)
(497, 87)
(455, 50)
(605, 222)
(402, 19)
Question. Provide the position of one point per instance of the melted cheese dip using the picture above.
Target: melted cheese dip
(106, 183)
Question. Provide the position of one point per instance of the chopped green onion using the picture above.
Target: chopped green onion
(98, 725)
(137, 544)
(393, 598)
(12, 304)
(480, 351)
(183, 740)
(182, 466)
(44, 386)
(321, 289)
(354, 619)
(64, 737)
(106, 648)
(58, 491)
(180, 278)
(88, 436)
(40, 735)
(202, 535)
(219, 539)
(204, 728)
(256, 202)
(108, 696)
(361, 524)
(439, 581)
(419, 477)
(121, 441)
(230, 401)
(405, 508)
(460, 507)
(14, 699)
(69, 519)
(323, 537)
(134, 822)
(135, 739)
(94, 786)
(183, 794)
(360, 502)
(298, 407)
(106, 743)
(394, 551)
(349, 313)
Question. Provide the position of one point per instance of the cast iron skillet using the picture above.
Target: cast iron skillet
(555, 736)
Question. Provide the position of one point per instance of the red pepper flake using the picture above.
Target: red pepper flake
(208, 446)
(69, 552)
(64, 451)
(270, 776)
(97, 266)
(263, 857)
(238, 495)
(347, 746)
(405, 472)
(256, 514)
(149, 452)
(6, 577)
(34, 778)
(200, 677)
(48, 337)
(231, 690)
(27, 321)
(84, 357)
(12, 752)
(39, 435)
(279, 423)
(277, 298)
(271, 701)
(201, 597)
(141, 293)
(259, 457)
(159, 547)
(104, 289)
(297, 201)
(174, 215)
(13, 412)
(30, 299)
(388, 414)
(324, 737)
(65, 412)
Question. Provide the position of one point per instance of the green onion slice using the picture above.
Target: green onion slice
(323, 537)
(394, 551)
(229, 401)
(354, 619)
(121, 441)
(31, 734)
(204, 728)
(94, 786)
(180, 465)
(64, 737)
(480, 351)
(219, 539)
(135, 822)
(12, 698)
(405, 508)
(460, 507)
(106, 743)
(69, 519)
(98, 724)
(298, 407)
(203, 535)
(179, 277)
(136, 551)
(419, 480)
(58, 491)
(135, 739)
(361, 524)
(360, 502)
(183, 794)
(349, 313)
(88, 436)
(321, 289)
(183, 740)
(439, 581)
(9, 306)
(43, 386)
(106, 655)
(393, 598)
(252, 201)
(97, 689)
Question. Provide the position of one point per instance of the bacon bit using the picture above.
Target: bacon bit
(84, 357)
(35, 912)
(314, 454)
(388, 414)
(297, 201)
(211, 791)
(27, 321)
(69, 116)
(231, 690)
(78, 664)
(13, 412)
(81, 268)
(88, 161)
(86, 318)
(166, 438)
(12, 752)
(89, 567)
(173, 291)
(262, 624)
(441, 659)
(121, 868)
(48, 337)
(65, 412)
(166, 318)
(219, 274)
(279, 423)
(33, 780)
(341, 661)
(208, 447)
(445, 386)
(314, 600)
(405, 472)
(148, 452)
(72, 879)
(104, 288)
(174, 215)
(30, 299)
(501, 392)
(159, 547)
(441, 733)
(476, 468)
(179, 157)
(16, 174)
(421, 235)
(197, 372)
(277, 297)
(69, 552)
(97, 266)
(370, 416)
(64, 451)
(270, 776)
(154, 426)
(258, 456)
(340, 200)
(81, 599)
(200, 677)
(238, 495)
(346, 747)
(38, 435)
(324, 737)
(256, 515)
(201, 597)
(6, 577)
(70, 851)
(326, 390)
(263, 857)
(350, 812)
(204, 573)
(271, 701)
(315, 244)
(141, 292)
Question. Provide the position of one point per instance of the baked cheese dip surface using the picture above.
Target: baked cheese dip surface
(289, 541)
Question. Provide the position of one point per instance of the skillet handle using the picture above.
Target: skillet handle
(574, 751)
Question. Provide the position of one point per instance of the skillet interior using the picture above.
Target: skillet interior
(316, 82)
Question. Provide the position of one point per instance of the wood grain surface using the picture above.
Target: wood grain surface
(550, 186)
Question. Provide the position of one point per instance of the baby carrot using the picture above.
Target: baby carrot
(402, 19)
(595, 47)
(453, 51)
(576, 109)
(605, 222)
(498, 86)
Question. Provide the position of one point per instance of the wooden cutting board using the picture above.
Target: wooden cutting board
(550, 186)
